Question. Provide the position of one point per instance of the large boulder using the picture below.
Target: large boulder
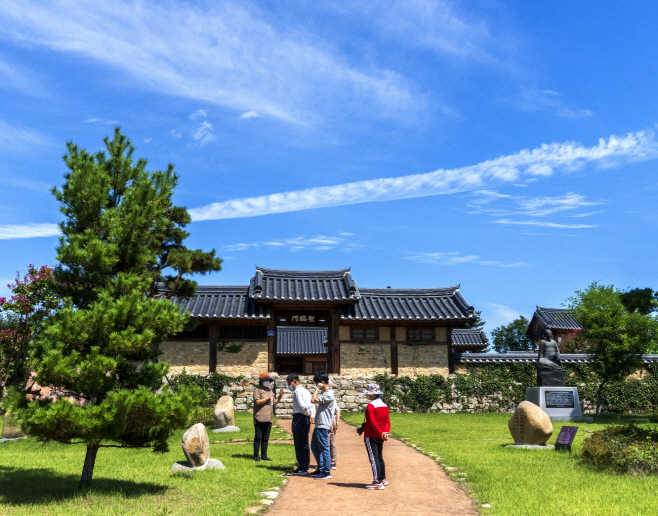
(530, 424)
(11, 428)
(196, 445)
(224, 415)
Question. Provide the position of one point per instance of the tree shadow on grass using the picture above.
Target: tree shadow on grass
(20, 486)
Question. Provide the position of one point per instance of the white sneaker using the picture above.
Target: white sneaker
(333, 467)
(384, 482)
(375, 486)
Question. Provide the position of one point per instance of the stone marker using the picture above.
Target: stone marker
(224, 415)
(530, 425)
(11, 429)
(196, 445)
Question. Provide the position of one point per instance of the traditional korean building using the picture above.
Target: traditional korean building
(561, 323)
(308, 321)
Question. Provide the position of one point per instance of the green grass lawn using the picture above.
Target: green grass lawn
(525, 482)
(42, 478)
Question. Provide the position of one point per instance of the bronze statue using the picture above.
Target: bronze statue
(549, 365)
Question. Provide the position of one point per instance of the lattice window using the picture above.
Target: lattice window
(420, 334)
(365, 333)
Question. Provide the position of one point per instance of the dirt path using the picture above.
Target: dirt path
(417, 484)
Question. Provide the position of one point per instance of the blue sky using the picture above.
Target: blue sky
(506, 147)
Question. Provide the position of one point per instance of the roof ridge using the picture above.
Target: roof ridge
(287, 272)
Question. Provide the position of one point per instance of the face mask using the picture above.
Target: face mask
(266, 384)
(320, 386)
(291, 388)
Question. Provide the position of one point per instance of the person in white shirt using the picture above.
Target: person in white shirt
(332, 433)
(302, 413)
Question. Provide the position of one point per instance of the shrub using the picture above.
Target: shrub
(416, 394)
(630, 450)
(212, 385)
(203, 415)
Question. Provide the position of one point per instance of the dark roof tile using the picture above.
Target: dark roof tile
(282, 285)
(296, 340)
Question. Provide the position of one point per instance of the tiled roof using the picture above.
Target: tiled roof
(295, 340)
(558, 318)
(281, 285)
(463, 340)
(529, 356)
(409, 305)
(222, 303)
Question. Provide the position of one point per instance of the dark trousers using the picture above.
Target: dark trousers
(375, 449)
(262, 437)
(301, 425)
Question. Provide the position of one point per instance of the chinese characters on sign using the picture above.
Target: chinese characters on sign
(303, 318)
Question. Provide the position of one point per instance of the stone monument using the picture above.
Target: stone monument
(224, 415)
(530, 427)
(11, 429)
(196, 447)
(561, 403)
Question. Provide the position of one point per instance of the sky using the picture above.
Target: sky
(507, 147)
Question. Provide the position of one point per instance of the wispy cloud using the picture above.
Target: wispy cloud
(542, 206)
(300, 243)
(18, 78)
(100, 121)
(227, 54)
(567, 157)
(15, 138)
(459, 259)
(198, 114)
(176, 134)
(204, 133)
(12, 232)
(249, 114)
(533, 100)
(543, 224)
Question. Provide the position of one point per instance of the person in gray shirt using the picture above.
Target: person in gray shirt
(324, 418)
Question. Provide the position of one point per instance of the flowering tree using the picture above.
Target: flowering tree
(21, 315)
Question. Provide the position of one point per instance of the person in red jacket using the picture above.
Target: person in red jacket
(376, 429)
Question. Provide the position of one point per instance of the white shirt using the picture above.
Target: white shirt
(301, 402)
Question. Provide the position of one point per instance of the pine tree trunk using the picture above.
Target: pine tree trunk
(599, 398)
(88, 469)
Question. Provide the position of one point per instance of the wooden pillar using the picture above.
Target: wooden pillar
(271, 342)
(451, 358)
(394, 351)
(333, 350)
(212, 349)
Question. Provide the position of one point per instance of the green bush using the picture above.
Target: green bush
(415, 394)
(201, 414)
(630, 450)
(212, 385)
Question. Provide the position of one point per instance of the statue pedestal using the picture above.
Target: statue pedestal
(560, 403)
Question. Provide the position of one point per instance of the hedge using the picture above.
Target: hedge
(509, 383)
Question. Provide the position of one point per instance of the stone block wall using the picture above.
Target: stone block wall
(193, 356)
(422, 359)
(365, 359)
(189, 355)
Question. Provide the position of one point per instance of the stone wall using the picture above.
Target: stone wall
(364, 359)
(193, 356)
(189, 355)
(419, 359)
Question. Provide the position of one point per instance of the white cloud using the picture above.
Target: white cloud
(558, 156)
(28, 231)
(227, 54)
(199, 113)
(204, 133)
(458, 259)
(21, 79)
(17, 138)
(175, 133)
(100, 121)
(542, 206)
(249, 114)
(316, 243)
(574, 113)
(148, 140)
(497, 315)
(543, 224)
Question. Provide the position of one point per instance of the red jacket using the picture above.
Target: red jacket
(377, 420)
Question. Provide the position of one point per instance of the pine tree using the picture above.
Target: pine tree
(121, 231)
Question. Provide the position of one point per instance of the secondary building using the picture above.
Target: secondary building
(308, 321)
